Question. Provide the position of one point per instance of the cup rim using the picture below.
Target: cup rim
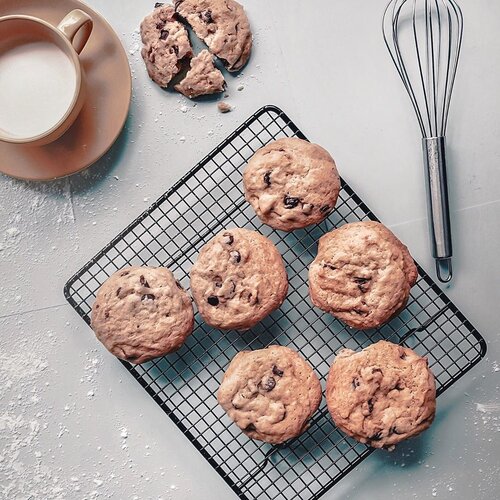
(78, 70)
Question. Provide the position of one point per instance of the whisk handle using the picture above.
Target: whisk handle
(438, 204)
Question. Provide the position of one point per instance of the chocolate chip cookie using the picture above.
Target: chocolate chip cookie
(362, 274)
(223, 26)
(381, 395)
(141, 313)
(203, 78)
(270, 393)
(291, 183)
(238, 279)
(166, 44)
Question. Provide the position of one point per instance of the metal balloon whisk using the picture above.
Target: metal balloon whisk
(424, 38)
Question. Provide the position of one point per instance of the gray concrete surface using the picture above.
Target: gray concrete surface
(74, 424)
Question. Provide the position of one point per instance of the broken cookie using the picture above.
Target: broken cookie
(223, 25)
(203, 78)
(166, 44)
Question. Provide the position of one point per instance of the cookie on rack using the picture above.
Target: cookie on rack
(203, 78)
(166, 44)
(291, 183)
(238, 279)
(381, 395)
(223, 26)
(141, 313)
(270, 393)
(362, 274)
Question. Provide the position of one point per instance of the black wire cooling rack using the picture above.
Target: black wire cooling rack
(171, 232)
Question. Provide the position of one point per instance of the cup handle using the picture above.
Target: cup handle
(71, 25)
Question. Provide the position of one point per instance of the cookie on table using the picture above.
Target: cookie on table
(270, 393)
(238, 279)
(223, 26)
(291, 184)
(381, 395)
(203, 78)
(362, 274)
(141, 313)
(166, 44)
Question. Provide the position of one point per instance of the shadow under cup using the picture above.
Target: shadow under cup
(23, 32)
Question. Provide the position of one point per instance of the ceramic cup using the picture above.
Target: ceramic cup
(42, 83)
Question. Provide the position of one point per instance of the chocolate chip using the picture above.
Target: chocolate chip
(218, 284)
(269, 384)
(148, 296)
(277, 371)
(250, 427)
(355, 383)
(290, 201)
(106, 314)
(329, 266)
(403, 355)
(361, 313)
(176, 50)
(151, 55)
(206, 16)
(143, 282)
(370, 405)
(164, 34)
(376, 437)
(361, 282)
(228, 238)
(235, 257)
(213, 300)
(324, 209)
(160, 25)
(267, 178)
(97, 306)
(124, 273)
(118, 291)
(158, 4)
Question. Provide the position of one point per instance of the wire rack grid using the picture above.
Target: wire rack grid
(171, 232)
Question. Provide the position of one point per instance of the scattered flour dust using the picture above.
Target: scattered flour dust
(22, 474)
(490, 412)
(490, 415)
(134, 43)
(29, 429)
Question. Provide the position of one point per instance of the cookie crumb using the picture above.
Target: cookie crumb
(224, 107)
(240, 87)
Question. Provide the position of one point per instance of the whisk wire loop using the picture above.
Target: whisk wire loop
(424, 39)
(434, 45)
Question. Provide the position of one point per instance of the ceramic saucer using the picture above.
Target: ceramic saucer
(109, 89)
